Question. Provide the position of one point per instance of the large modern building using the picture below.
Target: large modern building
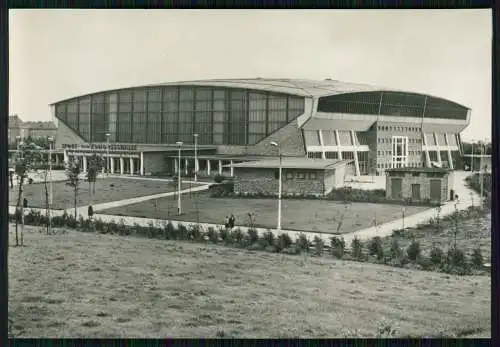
(236, 119)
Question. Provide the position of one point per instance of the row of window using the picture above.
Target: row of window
(392, 165)
(389, 140)
(388, 153)
(171, 114)
(398, 128)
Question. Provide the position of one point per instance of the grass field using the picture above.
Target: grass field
(472, 233)
(88, 285)
(106, 190)
(305, 215)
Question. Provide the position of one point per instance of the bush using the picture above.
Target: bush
(237, 237)
(357, 249)
(337, 245)
(122, 228)
(268, 238)
(283, 241)
(194, 232)
(253, 235)
(319, 245)
(221, 190)
(303, 243)
(477, 258)
(375, 247)
(396, 250)
(413, 250)
(219, 178)
(436, 255)
(212, 235)
(350, 194)
(456, 257)
(224, 235)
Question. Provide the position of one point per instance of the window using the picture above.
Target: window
(313, 175)
(277, 174)
(289, 175)
(301, 175)
(415, 174)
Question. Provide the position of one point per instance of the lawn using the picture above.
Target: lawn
(305, 215)
(472, 233)
(110, 286)
(106, 190)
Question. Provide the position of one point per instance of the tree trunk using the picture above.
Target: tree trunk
(18, 206)
(47, 207)
(76, 192)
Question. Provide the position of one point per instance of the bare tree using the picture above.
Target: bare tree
(73, 170)
(27, 155)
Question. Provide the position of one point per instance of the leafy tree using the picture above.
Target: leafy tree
(28, 154)
(95, 165)
(73, 170)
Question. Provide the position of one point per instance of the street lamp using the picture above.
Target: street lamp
(51, 141)
(179, 145)
(107, 153)
(275, 144)
(195, 157)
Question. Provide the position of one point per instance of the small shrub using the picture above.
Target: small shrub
(169, 231)
(357, 249)
(212, 235)
(182, 232)
(71, 222)
(122, 228)
(268, 237)
(283, 241)
(225, 234)
(396, 250)
(99, 224)
(302, 243)
(319, 245)
(375, 247)
(477, 258)
(253, 235)
(237, 237)
(425, 263)
(219, 178)
(337, 245)
(293, 250)
(456, 257)
(436, 255)
(413, 250)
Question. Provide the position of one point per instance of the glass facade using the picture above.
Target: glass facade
(392, 104)
(165, 115)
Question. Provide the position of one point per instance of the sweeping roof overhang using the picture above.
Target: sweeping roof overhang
(300, 87)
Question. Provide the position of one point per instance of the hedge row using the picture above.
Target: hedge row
(372, 251)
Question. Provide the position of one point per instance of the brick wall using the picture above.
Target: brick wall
(65, 135)
(425, 186)
(263, 181)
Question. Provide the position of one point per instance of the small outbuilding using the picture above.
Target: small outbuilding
(300, 176)
(434, 185)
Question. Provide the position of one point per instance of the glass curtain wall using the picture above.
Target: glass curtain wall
(165, 115)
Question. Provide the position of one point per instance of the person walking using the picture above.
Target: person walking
(231, 221)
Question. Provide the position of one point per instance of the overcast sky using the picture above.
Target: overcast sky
(56, 54)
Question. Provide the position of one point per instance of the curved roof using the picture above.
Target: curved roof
(300, 87)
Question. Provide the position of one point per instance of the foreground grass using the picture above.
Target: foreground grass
(304, 215)
(106, 190)
(90, 285)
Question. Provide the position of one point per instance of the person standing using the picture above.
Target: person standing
(226, 222)
(231, 221)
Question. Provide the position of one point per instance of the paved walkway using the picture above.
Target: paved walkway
(467, 197)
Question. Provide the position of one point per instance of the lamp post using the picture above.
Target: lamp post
(49, 212)
(195, 157)
(107, 153)
(481, 168)
(275, 144)
(472, 159)
(179, 144)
